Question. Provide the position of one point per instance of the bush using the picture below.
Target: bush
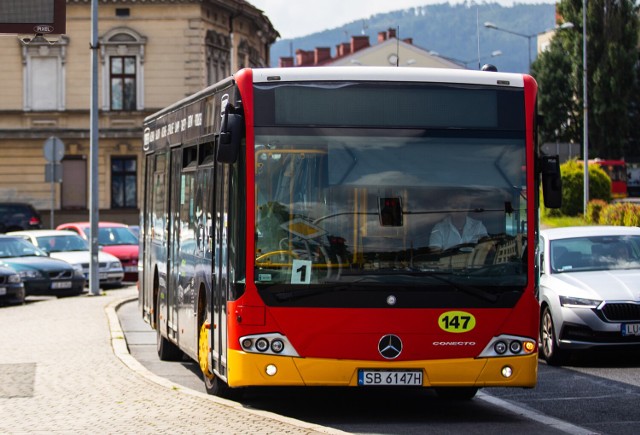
(594, 209)
(631, 215)
(572, 173)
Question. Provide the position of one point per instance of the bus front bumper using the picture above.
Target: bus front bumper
(248, 369)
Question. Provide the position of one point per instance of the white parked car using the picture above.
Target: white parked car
(589, 289)
(70, 247)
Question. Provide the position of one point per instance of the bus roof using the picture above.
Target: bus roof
(371, 73)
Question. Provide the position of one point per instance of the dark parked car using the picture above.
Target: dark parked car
(11, 287)
(40, 274)
(17, 216)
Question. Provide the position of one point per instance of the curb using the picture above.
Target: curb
(121, 350)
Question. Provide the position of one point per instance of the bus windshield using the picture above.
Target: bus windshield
(361, 205)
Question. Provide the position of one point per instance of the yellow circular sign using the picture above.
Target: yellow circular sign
(456, 321)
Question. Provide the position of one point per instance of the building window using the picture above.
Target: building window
(122, 57)
(44, 74)
(123, 82)
(124, 182)
(74, 183)
(218, 56)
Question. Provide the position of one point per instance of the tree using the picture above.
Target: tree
(612, 55)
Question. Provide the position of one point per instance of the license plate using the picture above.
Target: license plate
(131, 268)
(630, 329)
(390, 377)
(3, 291)
(61, 284)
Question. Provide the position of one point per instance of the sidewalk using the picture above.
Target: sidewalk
(65, 368)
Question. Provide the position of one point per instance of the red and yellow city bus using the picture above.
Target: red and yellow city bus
(285, 231)
(617, 172)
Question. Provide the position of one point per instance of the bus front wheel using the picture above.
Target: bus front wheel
(456, 393)
(213, 384)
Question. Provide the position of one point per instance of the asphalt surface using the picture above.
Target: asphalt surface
(352, 411)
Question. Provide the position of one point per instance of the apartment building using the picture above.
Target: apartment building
(151, 54)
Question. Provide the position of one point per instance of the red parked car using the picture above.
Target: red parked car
(116, 239)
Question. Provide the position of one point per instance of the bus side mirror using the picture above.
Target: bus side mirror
(551, 181)
(231, 132)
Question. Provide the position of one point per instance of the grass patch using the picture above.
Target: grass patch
(562, 221)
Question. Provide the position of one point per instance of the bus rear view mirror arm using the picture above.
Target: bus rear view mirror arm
(231, 132)
(551, 181)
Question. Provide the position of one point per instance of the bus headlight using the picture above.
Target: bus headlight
(262, 344)
(270, 344)
(509, 345)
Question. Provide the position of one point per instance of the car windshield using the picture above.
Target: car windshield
(10, 247)
(62, 243)
(608, 252)
(112, 236)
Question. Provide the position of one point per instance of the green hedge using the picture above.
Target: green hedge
(620, 214)
(572, 173)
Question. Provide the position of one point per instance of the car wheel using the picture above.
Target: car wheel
(549, 349)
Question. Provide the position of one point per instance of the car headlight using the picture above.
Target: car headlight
(77, 268)
(571, 302)
(116, 265)
(14, 278)
(30, 274)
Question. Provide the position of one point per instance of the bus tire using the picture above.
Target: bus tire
(456, 393)
(167, 351)
(212, 383)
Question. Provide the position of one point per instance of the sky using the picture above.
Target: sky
(294, 18)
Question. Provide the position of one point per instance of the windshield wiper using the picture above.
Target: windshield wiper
(474, 291)
(299, 294)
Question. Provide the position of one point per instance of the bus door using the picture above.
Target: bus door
(220, 271)
(173, 258)
(146, 294)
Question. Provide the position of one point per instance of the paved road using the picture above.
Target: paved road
(357, 411)
(65, 368)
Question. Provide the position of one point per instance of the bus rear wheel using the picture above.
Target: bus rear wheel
(167, 351)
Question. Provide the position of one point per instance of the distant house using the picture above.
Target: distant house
(388, 51)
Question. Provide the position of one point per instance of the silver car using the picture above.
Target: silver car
(70, 247)
(589, 289)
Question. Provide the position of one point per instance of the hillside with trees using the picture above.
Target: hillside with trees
(451, 30)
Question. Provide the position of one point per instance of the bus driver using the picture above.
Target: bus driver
(457, 228)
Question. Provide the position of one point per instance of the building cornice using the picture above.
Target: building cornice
(236, 8)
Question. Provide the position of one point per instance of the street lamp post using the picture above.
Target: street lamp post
(585, 109)
(494, 53)
(490, 25)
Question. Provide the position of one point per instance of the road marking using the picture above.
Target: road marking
(531, 414)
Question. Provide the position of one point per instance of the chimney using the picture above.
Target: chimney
(285, 62)
(382, 36)
(408, 41)
(321, 55)
(304, 58)
(391, 33)
(343, 49)
(359, 42)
